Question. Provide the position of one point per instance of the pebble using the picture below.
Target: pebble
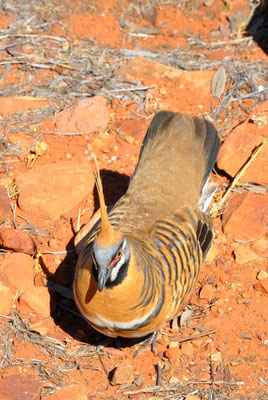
(40, 300)
(260, 246)
(244, 255)
(18, 268)
(262, 286)
(192, 397)
(243, 216)
(138, 381)
(51, 190)
(216, 357)
(123, 373)
(18, 387)
(174, 379)
(87, 116)
(17, 240)
(206, 292)
(173, 354)
(262, 275)
(187, 349)
(73, 392)
(6, 297)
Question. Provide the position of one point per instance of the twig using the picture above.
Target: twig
(218, 206)
(57, 252)
(132, 89)
(212, 380)
(102, 363)
(192, 337)
(159, 374)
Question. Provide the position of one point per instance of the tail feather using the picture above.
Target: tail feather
(211, 144)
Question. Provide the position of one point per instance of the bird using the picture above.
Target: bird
(140, 261)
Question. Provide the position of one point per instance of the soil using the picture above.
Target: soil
(55, 54)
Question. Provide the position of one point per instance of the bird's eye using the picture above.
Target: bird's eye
(119, 254)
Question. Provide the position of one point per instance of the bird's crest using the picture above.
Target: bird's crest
(107, 236)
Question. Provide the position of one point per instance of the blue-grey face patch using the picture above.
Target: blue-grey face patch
(104, 256)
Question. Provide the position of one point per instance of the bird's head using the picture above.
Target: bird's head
(110, 250)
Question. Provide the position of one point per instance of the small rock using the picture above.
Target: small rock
(206, 292)
(212, 254)
(262, 275)
(39, 300)
(87, 115)
(19, 270)
(6, 297)
(233, 156)
(174, 379)
(123, 373)
(244, 255)
(173, 354)
(38, 327)
(4, 205)
(54, 189)
(17, 387)
(191, 397)
(260, 246)
(187, 349)
(151, 72)
(243, 216)
(16, 240)
(244, 335)
(216, 357)
(262, 286)
(138, 381)
(74, 392)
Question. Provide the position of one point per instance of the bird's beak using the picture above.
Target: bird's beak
(102, 278)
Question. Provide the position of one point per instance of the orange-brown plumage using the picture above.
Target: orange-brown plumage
(139, 264)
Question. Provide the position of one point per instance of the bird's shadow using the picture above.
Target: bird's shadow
(258, 26)
(66, 315)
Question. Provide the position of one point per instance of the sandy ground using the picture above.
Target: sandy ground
(78, 77)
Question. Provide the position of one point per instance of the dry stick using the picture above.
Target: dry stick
(240, 173)
(157, 389)
(192, 337)
(159, 374)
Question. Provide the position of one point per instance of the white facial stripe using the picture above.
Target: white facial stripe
(115, 270)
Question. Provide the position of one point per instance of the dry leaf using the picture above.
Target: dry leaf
(218, 82)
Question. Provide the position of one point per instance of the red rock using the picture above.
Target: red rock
(17, 240)
(187, 349)
(123, 373)
(207, 292)
(243, 217)
(17, 387)
(6, 297)
(244, 255)
(52, 190)
(262, 286)
(260, 246)
(151, 72)
(11, 105)
(74, 392)
(173, 354)
(135, 129)
(4, 205)
(19, 270)
(39, 300)
(240, 144)
(87, 115)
